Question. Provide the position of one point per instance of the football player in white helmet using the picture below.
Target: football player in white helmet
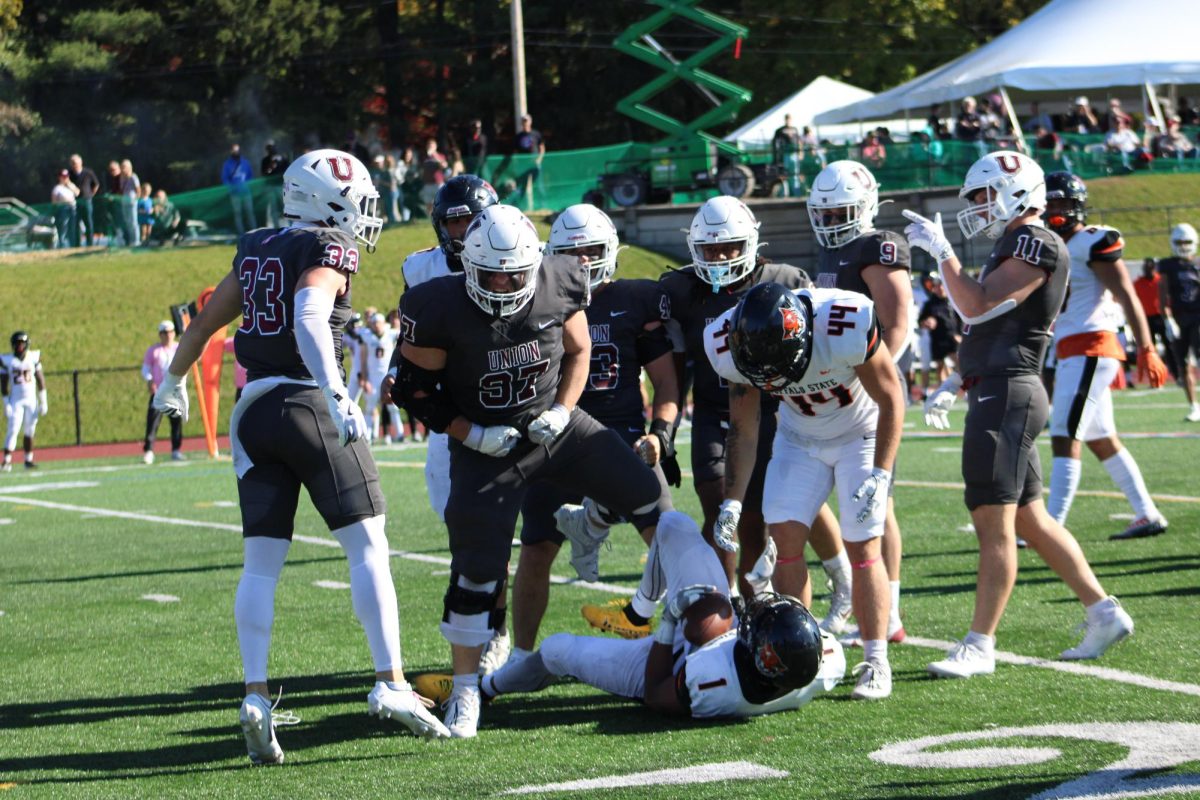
(24, 390)
(333, 188)
(501, 255)
(1009, 311)
(723, 241)
(1179, 294)
(585, 230)
(843, 203)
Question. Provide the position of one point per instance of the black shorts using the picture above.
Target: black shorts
(1189, 342)
(544, 498)
(708, 451)
(487, 493)
(292, 440)
(1000, 463)
(940, 348)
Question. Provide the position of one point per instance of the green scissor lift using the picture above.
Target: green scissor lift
(688, 159)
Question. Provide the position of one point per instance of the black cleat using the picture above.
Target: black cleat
(1142, 528)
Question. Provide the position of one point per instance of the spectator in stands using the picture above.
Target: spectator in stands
(168, 225)
(1150, 138)
(112, 203)
(397, 209)
(62, 198)
(530, 140)
(388, 185)
(476, 149)
(1116, 114)
(1187, 113)
(1048, 142)
(1124, 141)
(131, 189)
(810, 145)
(154, 366)
(1038, 119)
(1174, 144)
(236, 175)
(89, 185)
(433, 174)
(990, 125)
(145, 211)
(935, 124)
(410, 186)
(968, 127)
(273, 166)
(1147, 287)
(873, 152)
(455, 160)
(786, 150)
(1081, 119)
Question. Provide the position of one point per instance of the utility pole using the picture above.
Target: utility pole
(518, 56)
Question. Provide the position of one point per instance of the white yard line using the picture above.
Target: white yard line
(699, 773)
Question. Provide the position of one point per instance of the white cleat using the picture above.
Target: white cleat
(1112, 627)
(462, 712)
(572, 522)
(401, 703)
(874, 681)
(1193, 414)
(261, 743)
(495, 654)
(6, 466)
(963, 661)
(148, 457)
(840, 610)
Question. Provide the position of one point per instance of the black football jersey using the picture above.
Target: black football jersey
(269, 263)
(1183, 288)
(617, 318)
(842, 268)
(498, 371)
(694, 304)
(1015, 343)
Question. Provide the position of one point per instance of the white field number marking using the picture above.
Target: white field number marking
(1153, 746)
(331, 585)
(701, 773)
(161, 598)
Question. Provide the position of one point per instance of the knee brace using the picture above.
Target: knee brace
(470, 614)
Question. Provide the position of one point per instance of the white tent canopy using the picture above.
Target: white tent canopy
(821, 94)
(1067, 45)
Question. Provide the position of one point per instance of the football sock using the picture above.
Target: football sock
(372, 592)
(651, 588)
(1128, 478)
(518, 655)
(633, 616)
(838, 570)
(468, 682)
(1064, 481)
(875, 650)
(254, 603)
(980, 641)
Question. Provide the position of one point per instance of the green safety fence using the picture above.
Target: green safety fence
(559, 179)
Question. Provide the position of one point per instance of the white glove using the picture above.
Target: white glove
(347, 416)
(725, 529)
(43, 404)
(937, 407)
(674, 610)
(495, 440)
(872, 492)
(927, 234)
(1172, 330)
(549, 425)
(172, 397)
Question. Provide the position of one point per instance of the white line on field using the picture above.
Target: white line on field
(700, 773)
(161, 598)
(1072, 667)
(1103, 673)
(331, 585)
(1161, 498)
(21, 488)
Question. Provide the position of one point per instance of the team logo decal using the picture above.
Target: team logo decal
(793, 323)
(341, 168)
(769, 662)
(1009, 164)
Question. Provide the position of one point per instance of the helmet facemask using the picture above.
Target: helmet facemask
(1183, 241)
(843, 203)
(1013, 184)
(501, 241)
(584, 230)
(723, 221)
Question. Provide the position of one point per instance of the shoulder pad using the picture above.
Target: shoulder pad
(888, 249)
(1107, 245)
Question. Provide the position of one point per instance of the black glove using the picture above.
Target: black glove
(663, 431)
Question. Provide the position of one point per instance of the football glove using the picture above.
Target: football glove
(872, 492)
(43, 404)
(937, 407)
(495, 440)
(671, 471)
(725, 528)
(1148, 360)
(549, 425)
(347, 416)
(927, 235)
(172, 397)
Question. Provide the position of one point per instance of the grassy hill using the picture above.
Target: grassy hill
(100, 309)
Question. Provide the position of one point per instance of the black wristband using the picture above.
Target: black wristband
(661, 429)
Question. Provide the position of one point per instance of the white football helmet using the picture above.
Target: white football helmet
(843, 203)
(501, 240)
(584, 225)
(724, 219)
(1015, 184)
(333, 188)
(1183, 240)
